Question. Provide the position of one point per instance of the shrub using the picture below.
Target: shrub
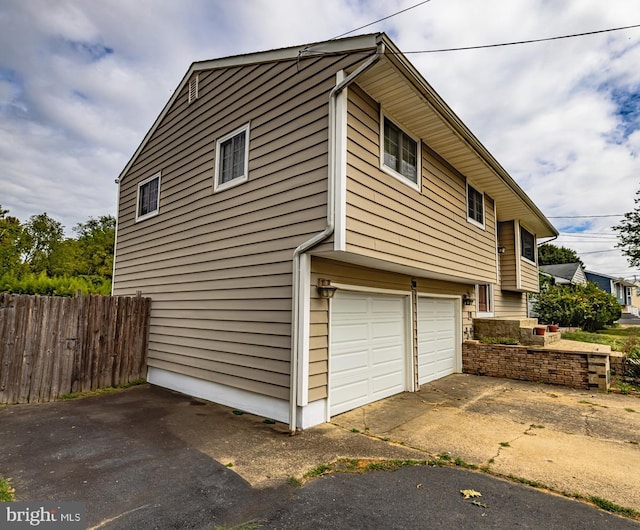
(584, 306)
(43, 285)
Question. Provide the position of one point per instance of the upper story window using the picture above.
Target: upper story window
(475, 206)
(400, 153)
(148, 201)
(527, 245)
(232, 159)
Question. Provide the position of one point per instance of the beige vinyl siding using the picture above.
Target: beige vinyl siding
(508, 259)
(218, 265)
(509, 304)
(392, 221)
(348, 274)
(528, 276)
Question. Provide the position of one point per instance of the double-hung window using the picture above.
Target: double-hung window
(148, 200)
(475, 206)
(232, 159)
(527, 245)
(400, 153)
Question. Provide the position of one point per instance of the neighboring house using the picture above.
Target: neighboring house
(272, 179)
(618, 287)
(635, 295)
(565, 273)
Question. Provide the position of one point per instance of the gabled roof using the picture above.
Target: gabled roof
(404, 94)
(621, 281)
(562, 270)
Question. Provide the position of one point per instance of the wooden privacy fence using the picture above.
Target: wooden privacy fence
(52, 346)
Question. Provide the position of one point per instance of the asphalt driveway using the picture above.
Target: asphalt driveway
(150, 458)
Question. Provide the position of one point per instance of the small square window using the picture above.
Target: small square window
(232, 159)
(527, 245)
(148, 200)
(400, 152)
(475, 206)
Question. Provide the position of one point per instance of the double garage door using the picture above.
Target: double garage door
(370, 346)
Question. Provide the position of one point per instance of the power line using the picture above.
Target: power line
(381, 19)
(583, 216)
(598, 251)
(530, 41)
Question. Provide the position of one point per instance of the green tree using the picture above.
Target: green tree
(549, 254)
(41, 237)
(11, 235)
(584, 306)
(96, 239)
(629, 234)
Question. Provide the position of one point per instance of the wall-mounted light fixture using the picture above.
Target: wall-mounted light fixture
(467, 300)
(325, 289)
(502, 250)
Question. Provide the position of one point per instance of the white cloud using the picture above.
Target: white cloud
(81, 82)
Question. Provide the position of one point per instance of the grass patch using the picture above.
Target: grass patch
(102, 391)
(294, 482)
(614, 337)
(6, 490)
(612, 507)
(629, 410)
(355, 430)
(505, 444)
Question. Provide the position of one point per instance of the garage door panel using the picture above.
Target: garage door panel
(368, 349)
(437, 339)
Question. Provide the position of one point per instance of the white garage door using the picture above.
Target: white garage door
(368, 349)
(437, 350)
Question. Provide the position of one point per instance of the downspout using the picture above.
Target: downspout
(115, 242)
(321, 236)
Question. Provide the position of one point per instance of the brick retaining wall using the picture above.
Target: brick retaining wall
(558, 367)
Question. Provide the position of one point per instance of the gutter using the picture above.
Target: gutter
(321, 236)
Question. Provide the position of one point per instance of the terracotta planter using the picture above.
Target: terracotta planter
(539, 331)
(553, 328)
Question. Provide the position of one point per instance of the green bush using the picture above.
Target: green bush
(584, 306)
(43, 285)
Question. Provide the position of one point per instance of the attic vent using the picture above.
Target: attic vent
(193, 89)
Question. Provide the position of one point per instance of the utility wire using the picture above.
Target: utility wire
(530, 41)
(584, 216)
(381, 19)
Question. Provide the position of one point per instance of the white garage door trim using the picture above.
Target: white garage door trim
(439, 337)
(356, 377)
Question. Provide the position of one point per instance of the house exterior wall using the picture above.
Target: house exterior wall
(517, 273)
(390, 220)
(218, 265)
(508, 304)
(357, 276)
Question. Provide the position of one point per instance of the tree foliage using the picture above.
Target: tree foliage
(36, 257)
(549, 254)
(584, 306)
(629, 234)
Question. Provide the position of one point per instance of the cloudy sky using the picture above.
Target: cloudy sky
(82, 81)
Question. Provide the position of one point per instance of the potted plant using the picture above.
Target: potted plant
(553, 328)
(539, 330)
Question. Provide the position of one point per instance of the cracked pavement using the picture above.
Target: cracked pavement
(573, 441)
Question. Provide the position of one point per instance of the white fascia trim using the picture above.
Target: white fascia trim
(258, 404)
(303, 327)
(516, 230)
(340, 231)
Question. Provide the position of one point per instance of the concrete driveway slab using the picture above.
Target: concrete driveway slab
(571, 440)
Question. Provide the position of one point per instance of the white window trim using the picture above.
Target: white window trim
(389, 171)
(484, 209)
(238, 180)
(535, 251)
(155, 212)
(490, 301)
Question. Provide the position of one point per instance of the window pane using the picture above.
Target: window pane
(391, 145)
(476, 208)
(148, 201)
(232, 156)
(527, 243)
(409, 157)
(483, 298)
